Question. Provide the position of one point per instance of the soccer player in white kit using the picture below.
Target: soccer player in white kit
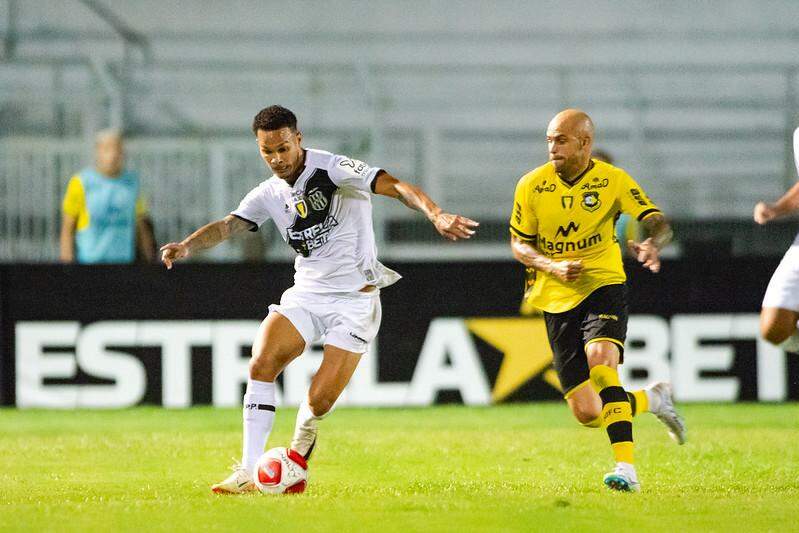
(780, 312)
(320, 203)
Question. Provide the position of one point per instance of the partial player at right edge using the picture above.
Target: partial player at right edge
(780, 312)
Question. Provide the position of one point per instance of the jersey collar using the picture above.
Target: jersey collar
(576, 180)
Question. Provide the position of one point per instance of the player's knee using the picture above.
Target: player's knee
(776, 325)
(601, 353)
(262, 367)
(775, 333)
(585, 414)
(320, 404)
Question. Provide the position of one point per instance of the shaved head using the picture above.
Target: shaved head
(573, 122)
(570, 137)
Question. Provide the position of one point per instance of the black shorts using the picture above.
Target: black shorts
(602, 315)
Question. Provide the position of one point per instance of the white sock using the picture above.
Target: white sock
(306, 420)
(259, 415)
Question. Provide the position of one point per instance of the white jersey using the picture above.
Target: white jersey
(326, 217)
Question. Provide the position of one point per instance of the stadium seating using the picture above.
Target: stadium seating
(456, 105)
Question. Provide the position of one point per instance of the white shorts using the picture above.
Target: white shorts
(783, 289)
(348, 321)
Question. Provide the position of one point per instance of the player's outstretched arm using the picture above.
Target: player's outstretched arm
(659, 234)
(206, 237)
(453, 227)
(765, 212)
(526, 253)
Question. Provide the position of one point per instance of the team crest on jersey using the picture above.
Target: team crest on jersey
(591, 201)
(301, 207)
(299, 204)
(317, 199)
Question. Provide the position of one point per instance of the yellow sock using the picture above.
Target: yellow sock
(595, 423)
(617, 416)
(639, 402)
(623, 452)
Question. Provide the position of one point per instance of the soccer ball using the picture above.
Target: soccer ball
(279, 471)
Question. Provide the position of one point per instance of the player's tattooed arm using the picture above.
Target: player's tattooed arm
(206, 237)
(453, 227)
(659, 234)
(658, 229)
(526, 253)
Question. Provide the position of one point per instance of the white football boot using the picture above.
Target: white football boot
(661, 404)
(239, 482)
(623, 478)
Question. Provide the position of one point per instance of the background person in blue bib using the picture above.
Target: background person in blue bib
(104, 214)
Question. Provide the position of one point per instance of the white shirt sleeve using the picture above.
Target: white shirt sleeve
(253, 207)
(346, 172)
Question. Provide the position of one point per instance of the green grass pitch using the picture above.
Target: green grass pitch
(506, 468)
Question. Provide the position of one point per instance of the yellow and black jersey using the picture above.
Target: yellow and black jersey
(576, 222)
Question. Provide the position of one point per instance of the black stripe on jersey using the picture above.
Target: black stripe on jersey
(319, 182)
(253, 225)
(522, 234)
(647, 213)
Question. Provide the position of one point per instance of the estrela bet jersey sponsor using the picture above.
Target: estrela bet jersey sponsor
(576, 222)
(326, 217)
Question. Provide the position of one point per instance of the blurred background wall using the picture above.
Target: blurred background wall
(697, 100)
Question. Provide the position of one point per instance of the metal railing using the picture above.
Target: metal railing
(705, 140)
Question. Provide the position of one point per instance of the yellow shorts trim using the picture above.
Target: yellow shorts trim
(568, 394)
(617, 342)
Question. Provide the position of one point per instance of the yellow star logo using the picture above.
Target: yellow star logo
(523, 341)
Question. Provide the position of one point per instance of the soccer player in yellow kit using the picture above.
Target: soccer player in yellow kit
(562, 226)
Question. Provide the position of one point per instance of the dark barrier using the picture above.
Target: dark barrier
(115, 336)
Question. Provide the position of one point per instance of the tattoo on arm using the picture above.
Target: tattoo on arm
(415, 198)
(658, 229)
(407, 202)
(526, 253)
(236, 224)
(212, 234)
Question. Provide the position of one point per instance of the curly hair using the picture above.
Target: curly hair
(274, 117)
